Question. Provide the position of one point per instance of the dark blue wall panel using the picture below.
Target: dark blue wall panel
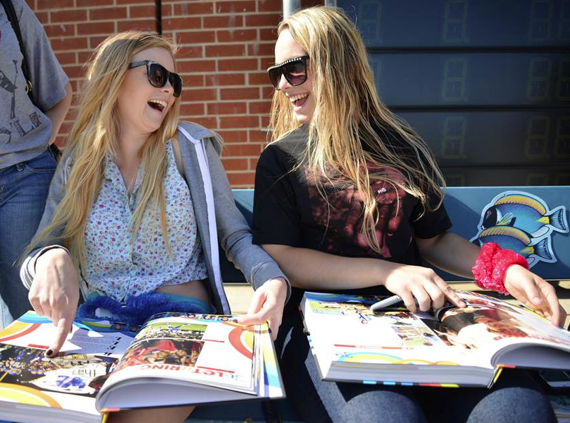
(485, 82)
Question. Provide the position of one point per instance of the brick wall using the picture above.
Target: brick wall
(225, 47)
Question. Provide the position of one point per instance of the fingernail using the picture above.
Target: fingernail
(537, 300)
(49, 353)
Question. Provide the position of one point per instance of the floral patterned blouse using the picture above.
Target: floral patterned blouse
(117, 265)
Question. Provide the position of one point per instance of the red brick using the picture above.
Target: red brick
(225, 50)
(142, 11)
(257, 135)
(202, 94)
(62, 44)
(43, 17)
(134, 2)
(239, 122)
(97, 28)
(193, 80)
(259, 107)
(225, 79)
(195, 37)
(68, 16)
(94, 41)
(269, 6)
(137, 25)
(241, 65)
(108, 13)
(235, 164)
(258, 78)
(224, 36)
(242, 180)
(65, 127)
(268, 34)
(271, 20)
(239, 94)
(267, 92)
(60, 30)
(208, 122)
(84, 56)
(234, 21)
(190, 52)
(267, 61)
(191, 109)
(181, 23)
(188, 66)
(264, 121)
(253, 163)
(66, 58)
(227, 108)
(74, 71)
(261, 49)
(201, 8)
(54, 4)
(91, 3)
(234, 136)
(241, 6)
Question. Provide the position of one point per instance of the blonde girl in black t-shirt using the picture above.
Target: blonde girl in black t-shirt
(348, 198)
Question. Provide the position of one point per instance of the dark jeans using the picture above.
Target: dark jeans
(23, 192)
(515, 398)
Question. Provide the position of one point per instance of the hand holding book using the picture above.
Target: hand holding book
(535, 293)
(422, 285)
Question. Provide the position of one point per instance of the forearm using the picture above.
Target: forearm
(450, 252)
(311, 269)
(57, 113)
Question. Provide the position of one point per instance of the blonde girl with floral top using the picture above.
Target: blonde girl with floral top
(138, 206)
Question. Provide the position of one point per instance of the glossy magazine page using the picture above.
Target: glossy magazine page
(187, 359)
(35, 388)
(450, 347)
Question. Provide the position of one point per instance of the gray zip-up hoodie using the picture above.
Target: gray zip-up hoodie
(217, 217)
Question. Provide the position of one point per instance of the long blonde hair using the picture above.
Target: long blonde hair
(95, 133)
(348, 113)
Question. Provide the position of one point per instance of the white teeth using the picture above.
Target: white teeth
(298, 97)
(159, 102)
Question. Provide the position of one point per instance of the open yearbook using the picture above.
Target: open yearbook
(174, 359)
(450, 347)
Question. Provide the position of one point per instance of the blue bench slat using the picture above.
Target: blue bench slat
(464, 206)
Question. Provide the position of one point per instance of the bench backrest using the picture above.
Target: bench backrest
(530, 220)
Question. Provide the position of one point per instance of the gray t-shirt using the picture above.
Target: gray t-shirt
(24, 128)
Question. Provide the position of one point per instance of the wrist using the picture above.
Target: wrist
(53, 255)
(492, 265)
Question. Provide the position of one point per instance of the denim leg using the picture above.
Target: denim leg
(516, 397)
(23, 192)
(320, 401)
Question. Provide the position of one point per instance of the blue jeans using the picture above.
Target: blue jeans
(23, 192)
(515, 398)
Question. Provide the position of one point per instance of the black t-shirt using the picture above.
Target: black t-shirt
(290, 210)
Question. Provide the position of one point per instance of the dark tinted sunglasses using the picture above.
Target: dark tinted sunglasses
(294, 70)
(158, 75)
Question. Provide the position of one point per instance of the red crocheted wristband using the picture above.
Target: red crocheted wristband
(492, 264)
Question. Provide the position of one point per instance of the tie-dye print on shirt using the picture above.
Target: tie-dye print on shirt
(116, 265)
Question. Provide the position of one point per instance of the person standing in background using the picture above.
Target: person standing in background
(28, 126)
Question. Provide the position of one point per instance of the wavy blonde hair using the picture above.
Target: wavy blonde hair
(348, 114)
(95, 133)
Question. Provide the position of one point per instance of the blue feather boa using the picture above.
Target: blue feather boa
(136, 309)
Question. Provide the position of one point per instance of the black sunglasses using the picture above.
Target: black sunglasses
(294, 70)
(158, 75)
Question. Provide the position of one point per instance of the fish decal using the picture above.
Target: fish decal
(522, 222)
(525, 212)
(519, 241)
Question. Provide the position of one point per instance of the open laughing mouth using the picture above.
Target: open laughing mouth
(299, 100)
(157, 104)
